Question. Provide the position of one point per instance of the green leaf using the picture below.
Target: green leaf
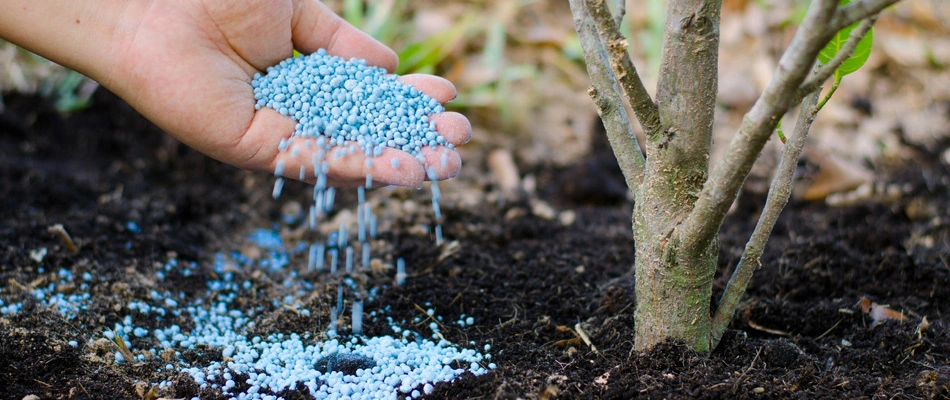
(861, 52)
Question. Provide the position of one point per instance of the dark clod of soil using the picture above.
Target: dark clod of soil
(345, 363)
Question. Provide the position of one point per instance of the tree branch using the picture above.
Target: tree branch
(720, 190)
(857, 11)
(623, 68)
(621, 10)
(606, 94)
(817, 79)
(779, 192)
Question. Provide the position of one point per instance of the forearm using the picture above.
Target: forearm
(86, 36)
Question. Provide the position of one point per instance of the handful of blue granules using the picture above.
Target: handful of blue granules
(349, 106)
(349, 101)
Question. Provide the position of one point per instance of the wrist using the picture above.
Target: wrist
(84, 36)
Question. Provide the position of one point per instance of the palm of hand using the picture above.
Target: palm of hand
(190, 65)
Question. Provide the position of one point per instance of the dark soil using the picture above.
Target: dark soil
(528, 281)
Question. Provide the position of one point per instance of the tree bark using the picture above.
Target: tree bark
(678, 211)
(674, 286)
(605, 92)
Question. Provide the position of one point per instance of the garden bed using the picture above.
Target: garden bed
(550, 294)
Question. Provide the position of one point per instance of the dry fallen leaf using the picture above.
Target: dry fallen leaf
(602, 380)
(921, 327)
(880, 313)
(834, 175)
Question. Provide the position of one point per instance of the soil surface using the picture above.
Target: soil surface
(533, 283)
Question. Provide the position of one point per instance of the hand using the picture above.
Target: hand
(187, 67)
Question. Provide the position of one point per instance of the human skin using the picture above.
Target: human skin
(187, 65)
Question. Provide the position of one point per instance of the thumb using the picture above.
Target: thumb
(315, 26)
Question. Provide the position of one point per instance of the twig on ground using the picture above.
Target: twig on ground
(747, 370)
(583, 335)
(510, 321)
(776, 332)
(60, 231)
(829, 330)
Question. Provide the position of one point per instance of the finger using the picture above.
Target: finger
(441, 162)
(391, 167)
(259, 150)
(454, 127)
(316, 27)
(347, 165)
(433, 86)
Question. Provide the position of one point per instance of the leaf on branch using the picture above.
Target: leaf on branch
(861, 52)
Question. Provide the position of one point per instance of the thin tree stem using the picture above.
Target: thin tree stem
(831, 92)
(857, 11)
(606, 95)
(779, 192)
(720, 190)
(616, 46)
(621, 11)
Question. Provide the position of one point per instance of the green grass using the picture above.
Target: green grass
(27, 73)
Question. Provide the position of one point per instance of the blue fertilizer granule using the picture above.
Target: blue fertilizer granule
(346, 106)
(254, 367)
(348, 102)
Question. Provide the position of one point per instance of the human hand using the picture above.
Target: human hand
(188, 65)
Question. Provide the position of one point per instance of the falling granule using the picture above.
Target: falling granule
(349, 259)
(341, 238)
(333, 256)
(334, 316)
(278, 187)
(313, 217)
(357, 319)
(328, 199)
(372, 226)
(347, 107)
(366, 254)
(400, 272)
(339, 299)
(315, 262)
(321, 257)
(360, 223)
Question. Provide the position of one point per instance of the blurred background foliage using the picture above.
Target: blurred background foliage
(24, 72)
(522, 82)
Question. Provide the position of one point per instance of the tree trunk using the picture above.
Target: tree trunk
(674, 284)
(678, 212)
